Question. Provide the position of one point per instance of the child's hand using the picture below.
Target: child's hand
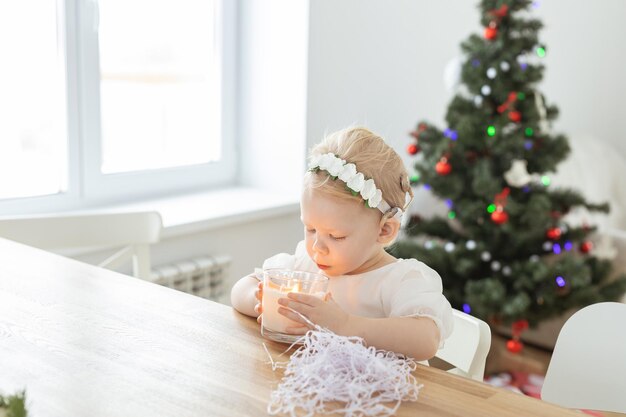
(258, 308)
(324, 313)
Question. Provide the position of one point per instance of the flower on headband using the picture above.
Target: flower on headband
(368, 190)
(336, 167)
(375, 200)
(356, 183)
(328, 162)
(348, 171)
(324, 161)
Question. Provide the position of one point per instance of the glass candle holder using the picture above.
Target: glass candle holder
(277, 283)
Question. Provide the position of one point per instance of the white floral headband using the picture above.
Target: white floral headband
(355, 181)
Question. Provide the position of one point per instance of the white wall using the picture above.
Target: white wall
(272, 92)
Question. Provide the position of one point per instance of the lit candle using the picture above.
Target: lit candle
(277, 284)
(272, 319)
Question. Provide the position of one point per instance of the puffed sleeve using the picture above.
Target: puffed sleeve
(418, 293)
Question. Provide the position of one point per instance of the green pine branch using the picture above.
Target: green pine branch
(14, 405)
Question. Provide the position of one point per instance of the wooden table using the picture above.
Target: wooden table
(84, 341)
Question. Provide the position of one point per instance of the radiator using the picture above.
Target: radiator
(203, 276)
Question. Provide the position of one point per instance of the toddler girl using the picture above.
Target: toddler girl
(354, 195)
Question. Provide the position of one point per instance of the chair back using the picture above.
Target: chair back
(133, 232)
(467, 347)
(588, 366)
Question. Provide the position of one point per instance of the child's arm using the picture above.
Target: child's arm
(243, 296)
(417, 337)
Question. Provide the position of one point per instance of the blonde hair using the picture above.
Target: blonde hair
(372, 157)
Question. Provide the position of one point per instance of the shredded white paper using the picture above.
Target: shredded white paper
(339, 374)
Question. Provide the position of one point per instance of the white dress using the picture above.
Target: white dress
(405, 288)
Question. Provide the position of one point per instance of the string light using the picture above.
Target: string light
(427, 186)
(545, 180)
(529, 131)
(568, 246)
(521, 96)
(556, 248)
(491, 208)
(528, 145)
(466, 308)
(491, 130)
(541, 52)
(560, 281)
(451, 214)
(414, 178)
(450, 133)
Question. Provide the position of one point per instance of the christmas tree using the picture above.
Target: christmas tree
(505, 252)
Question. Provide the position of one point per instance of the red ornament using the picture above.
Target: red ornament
(553, 233)
(514, 346)
(586, 246)
(501, 12)
(491, 33)
(515, 116)
(519, 326)
(412, 149)
(443, 167)
(510, 100)
(499, 216)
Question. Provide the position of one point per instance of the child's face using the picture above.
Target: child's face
(341, 235)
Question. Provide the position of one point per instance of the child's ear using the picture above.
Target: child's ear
(388, 231)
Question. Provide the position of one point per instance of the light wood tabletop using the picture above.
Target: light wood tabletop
(84, 341)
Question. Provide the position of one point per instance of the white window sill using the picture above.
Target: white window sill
(193, 213)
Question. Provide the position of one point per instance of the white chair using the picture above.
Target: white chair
(134, 232)
(588, 367)
(467, 347)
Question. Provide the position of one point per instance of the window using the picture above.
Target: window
(114, 101)
(33, 135)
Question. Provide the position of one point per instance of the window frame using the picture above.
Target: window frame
(87, 187)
